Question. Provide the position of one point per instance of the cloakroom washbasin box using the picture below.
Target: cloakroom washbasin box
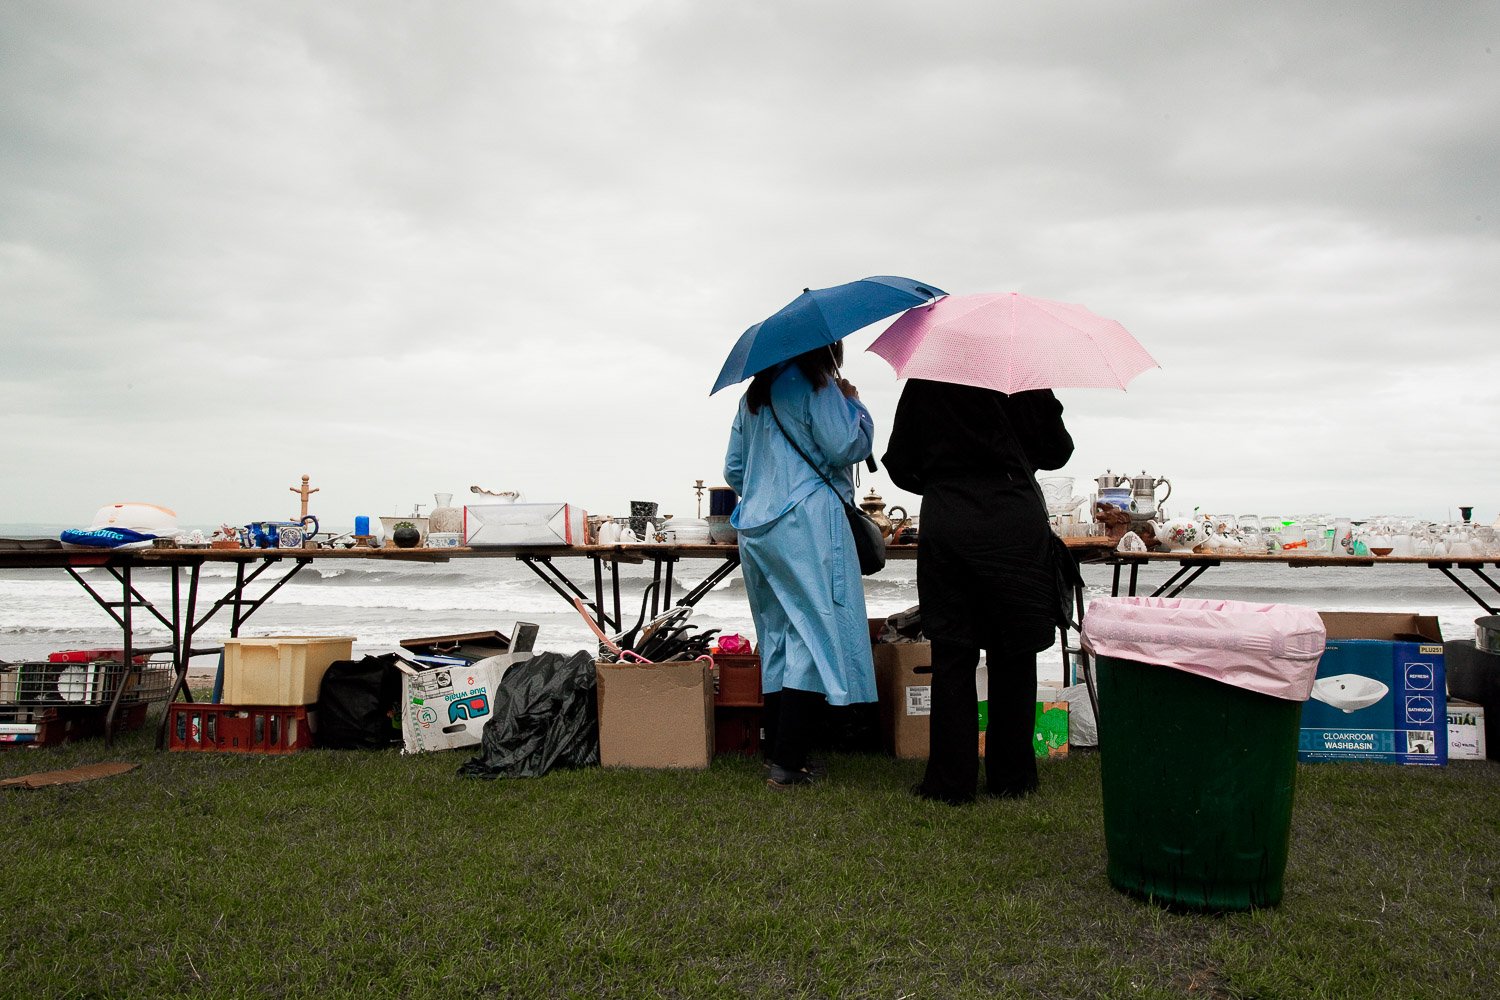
(1380, 690)
(655, 715)
(495, 524)
(280, 669)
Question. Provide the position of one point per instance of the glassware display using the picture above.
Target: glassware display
(1250, 533)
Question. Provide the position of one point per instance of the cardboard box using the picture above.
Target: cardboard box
(1379, 693)
(447, 707)
(1052, 728)
(1465, 730)
(492, 524)
(903, 681)
(658, 715)
(280, 669)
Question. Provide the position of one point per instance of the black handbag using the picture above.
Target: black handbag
(869, 543)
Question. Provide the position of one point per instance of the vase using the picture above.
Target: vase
(445, 517)
(641, 512)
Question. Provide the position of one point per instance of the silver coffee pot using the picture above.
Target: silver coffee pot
(1109, 480)
(1143, 493)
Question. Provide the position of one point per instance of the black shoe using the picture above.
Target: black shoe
(921, 792)
(815, 767)
(781, 779)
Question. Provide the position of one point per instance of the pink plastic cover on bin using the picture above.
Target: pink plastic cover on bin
(1272, 649)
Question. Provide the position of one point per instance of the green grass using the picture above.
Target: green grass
(373, 875)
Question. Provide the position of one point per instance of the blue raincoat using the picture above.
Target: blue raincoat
(801, 571)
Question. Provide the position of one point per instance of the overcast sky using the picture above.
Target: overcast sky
(406, 248)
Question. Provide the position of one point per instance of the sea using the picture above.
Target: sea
(381, 603)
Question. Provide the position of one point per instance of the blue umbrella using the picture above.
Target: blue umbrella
(818, 317)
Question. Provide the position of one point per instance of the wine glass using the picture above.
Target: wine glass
(1250, 534)
(1343, 537)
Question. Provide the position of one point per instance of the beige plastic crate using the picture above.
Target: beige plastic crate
(280, 669)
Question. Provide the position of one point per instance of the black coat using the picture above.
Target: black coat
(983, 576)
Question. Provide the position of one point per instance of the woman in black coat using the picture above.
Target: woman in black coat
(984, 576)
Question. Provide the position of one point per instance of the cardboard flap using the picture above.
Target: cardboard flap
(1387, 626)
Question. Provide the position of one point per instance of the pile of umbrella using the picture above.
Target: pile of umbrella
(666, 638)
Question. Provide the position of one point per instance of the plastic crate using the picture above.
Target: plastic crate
(737, 680)
(737, 730)
(268, 729)
(79, 681)
(280, 669)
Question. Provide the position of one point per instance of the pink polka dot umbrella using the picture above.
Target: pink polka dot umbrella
(1012, 342)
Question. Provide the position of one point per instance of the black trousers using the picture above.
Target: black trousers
(792, 720)
(1010, 757)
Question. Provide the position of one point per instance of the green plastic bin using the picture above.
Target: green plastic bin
(1198, 778)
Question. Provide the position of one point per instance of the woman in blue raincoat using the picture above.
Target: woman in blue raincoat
(797, 553)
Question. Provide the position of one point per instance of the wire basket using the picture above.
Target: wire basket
(52, 684)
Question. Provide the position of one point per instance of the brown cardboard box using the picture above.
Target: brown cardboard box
(655, 714)
(903, 680)
(1381, 625)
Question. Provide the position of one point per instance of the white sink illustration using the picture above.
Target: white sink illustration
(1348, 692)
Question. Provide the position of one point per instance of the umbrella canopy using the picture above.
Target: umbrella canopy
(1012, 342)
(817, 317)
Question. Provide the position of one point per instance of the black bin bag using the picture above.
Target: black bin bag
(355, 702)
(544, 717)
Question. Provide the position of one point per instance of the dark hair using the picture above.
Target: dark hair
(818, 365)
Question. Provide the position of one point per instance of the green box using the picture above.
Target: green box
(1051, 728)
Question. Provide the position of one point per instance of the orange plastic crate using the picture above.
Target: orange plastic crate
(271, 729)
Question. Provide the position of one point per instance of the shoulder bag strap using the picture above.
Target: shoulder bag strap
(793, 442)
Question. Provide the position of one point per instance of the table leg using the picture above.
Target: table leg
(185, 655)
(614, 579)
(692, 597)
(565, 588)
(1446, 570)
(599, 618)
(1188, 570)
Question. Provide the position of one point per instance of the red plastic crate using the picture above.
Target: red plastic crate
(737, 680)
(272, 729)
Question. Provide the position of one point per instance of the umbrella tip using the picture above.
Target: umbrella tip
(806, 290)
